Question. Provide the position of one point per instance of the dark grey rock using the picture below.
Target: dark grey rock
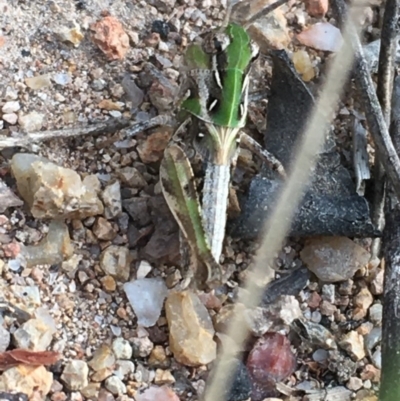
(290, 284)
(330, 205)
(241, 386)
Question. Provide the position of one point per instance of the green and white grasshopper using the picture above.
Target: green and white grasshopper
(217, 80)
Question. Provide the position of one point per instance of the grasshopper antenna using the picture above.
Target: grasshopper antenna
(266, 10)
(228, 14)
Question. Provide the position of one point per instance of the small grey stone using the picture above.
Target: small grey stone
(4, 338)
(75, 375)
(354, 383)
(62, 78)
(353, 343)
(10, 118)
(376, 358)
(142, 374)
(142, 347)
(346, 288)
(103, 358)
(132, 177)
(115, 113)
(124, 369)
(316, 317)
(320, 355)
(115, 261)
(377, 283)
(367, 384)
(328, 293)
(122, 349)
(133, 92)
(146, 297)
(10, 107)
(32, 121)
(115, 385)
(11, 93)
(98, 84)
(112, 200)
(166, 63)
(373, 338)
(333, 259)
(143, 270)
(137, 208)
(34, 335)
(375, 314)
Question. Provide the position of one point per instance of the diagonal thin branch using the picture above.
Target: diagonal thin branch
(104, 127)
(279, 223)
(390, 381)
(384, 90)
(266, 11)
(373, 112)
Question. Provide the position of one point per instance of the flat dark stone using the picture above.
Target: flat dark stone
(330, 205)
(290, 284)
(240, 388)
(13, 397)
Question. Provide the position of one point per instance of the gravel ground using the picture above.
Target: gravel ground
(54, 75)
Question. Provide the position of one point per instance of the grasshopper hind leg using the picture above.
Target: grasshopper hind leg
(194, 273)
(185, 262)
(268, 158)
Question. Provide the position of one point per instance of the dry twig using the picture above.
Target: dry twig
(279, 223)
(386, 68)
(373, 112)
(109, 126)
(390, 381)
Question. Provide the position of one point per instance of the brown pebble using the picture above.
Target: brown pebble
(37, 274)
(317, 8)
(59, 396)
(370, 372)
(108, 283)
(365, 328)
(110, 37)
(314, 300)
(327, 309)
(121, 312)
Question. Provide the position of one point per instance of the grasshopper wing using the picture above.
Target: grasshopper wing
(177, 182)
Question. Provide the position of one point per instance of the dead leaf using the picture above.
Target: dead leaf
(16, 357)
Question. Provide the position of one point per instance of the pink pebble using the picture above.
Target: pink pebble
(321, 36)
(155, 393)
(270, 361)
